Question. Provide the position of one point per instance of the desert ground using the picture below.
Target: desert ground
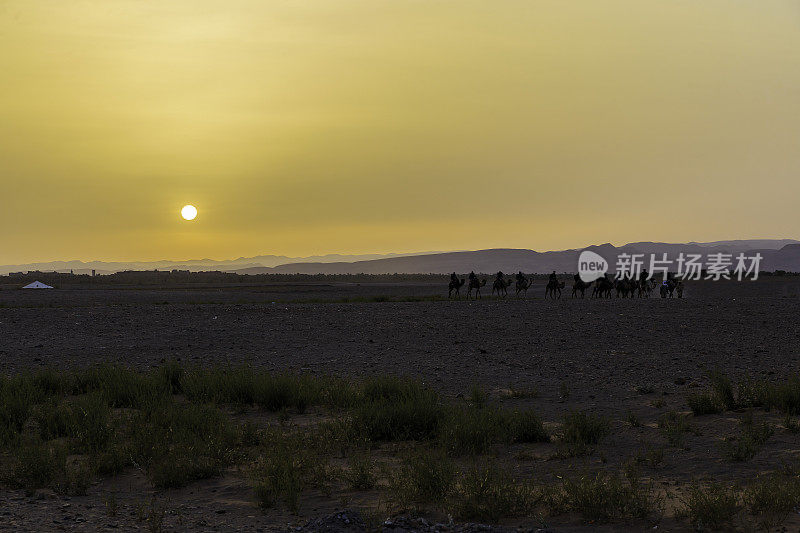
(632, 362)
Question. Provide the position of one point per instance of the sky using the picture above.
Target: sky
(319, 126)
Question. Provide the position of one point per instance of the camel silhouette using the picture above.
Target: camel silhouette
(475, 284)
(455, 287)
(523, 285)
(679, 289)
(646, 287)
(668, 288)
(602, 287)
(553, 289)
(625, 287)
(580, 286)
(501, 286)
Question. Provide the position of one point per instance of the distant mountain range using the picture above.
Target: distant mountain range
(195, 265)
(777, 254)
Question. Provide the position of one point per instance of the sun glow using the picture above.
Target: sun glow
(189, 212)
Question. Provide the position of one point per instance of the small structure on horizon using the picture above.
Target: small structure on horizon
(37, 285)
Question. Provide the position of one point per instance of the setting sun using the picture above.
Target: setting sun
(189, 212)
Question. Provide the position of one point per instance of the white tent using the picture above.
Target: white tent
(37, 285)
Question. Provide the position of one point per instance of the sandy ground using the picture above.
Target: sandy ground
(599, 351)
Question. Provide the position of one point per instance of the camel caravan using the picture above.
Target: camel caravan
(603, 287)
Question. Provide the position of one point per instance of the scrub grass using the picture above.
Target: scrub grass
(390, 438)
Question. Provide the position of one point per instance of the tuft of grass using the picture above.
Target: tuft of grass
(633, 420)
(712, 506)
(487, 492)
(750, 441)
(784, 396)
(183, 443)
(650, 455)
(704, 403)
(584, 428)
(603, 496)
(38, 465)
(673, 426)
(723, 389)
(245, 386)
(468, 430)
(18, 395)
(526, 426)
(284, 471)
(751, 393)
(395, 410)
(478, 397)
(771, 498)
(361, 474)
(423, 477)
(791, 425)
(77, 477)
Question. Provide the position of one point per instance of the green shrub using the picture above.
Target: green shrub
(18, 395)
(54, 418)
(783, 396)
(77, 477)
(410, 412)
(487, 492)
(723, 389)
(92, 425)
(772, 498)
(284, 472)
(428, 476)
(751, 393)
(182, 443)
(478, 396)
(360, 474)
(584, 428)
(673, 426)
(603, 496)
(712, 506)
(468, 430)
(526, 426)
(704, 404)
(37, 465)
(750, 441)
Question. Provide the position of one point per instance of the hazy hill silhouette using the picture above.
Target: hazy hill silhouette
(778, 254)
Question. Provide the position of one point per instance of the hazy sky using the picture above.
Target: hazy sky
(301, 127)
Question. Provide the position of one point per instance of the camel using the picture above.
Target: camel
(625, 287)
(501, 286)
(602, 288)
(644, 288)
(523, 285)
(475, 284)
(455, 287)
(580, 286)
(553, 289)
(668, 288)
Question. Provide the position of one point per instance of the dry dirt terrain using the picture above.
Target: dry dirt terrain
(625, 359)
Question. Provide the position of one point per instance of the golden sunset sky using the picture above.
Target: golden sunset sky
(330, 126)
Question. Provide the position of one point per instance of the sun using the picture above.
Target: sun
(189, 212)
